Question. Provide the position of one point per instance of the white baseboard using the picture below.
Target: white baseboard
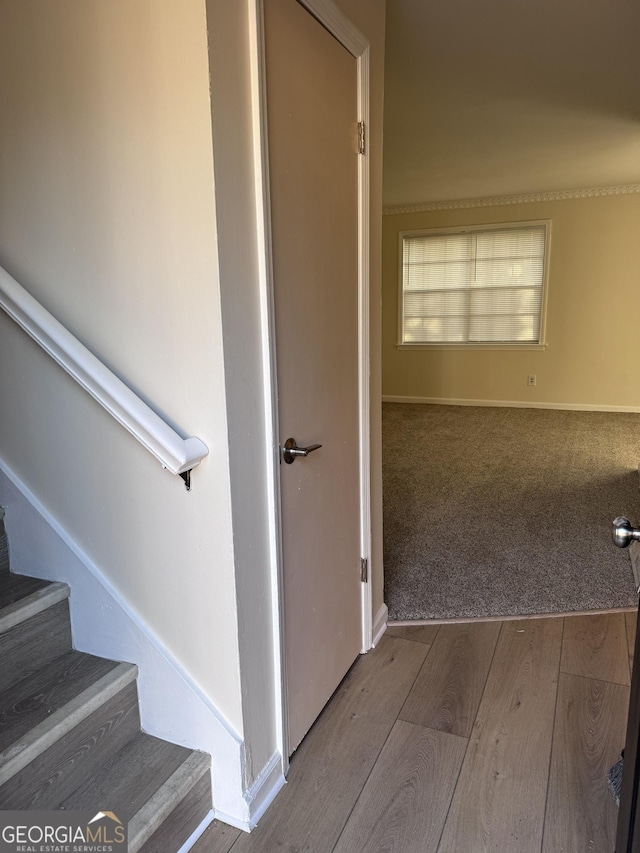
(379, 624)
(259, 796)
(172, 706)
(510, 404)
(265, 788)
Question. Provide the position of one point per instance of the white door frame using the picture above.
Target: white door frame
(334, 20)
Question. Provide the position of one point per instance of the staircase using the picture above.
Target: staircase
(70, 734)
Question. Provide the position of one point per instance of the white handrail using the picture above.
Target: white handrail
(175, 453)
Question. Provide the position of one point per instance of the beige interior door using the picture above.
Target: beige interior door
(313, 168)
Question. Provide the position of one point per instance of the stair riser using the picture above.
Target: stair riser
(70, 726)
(34, 643)
(70, 761)
(185, 817)
(15, 588)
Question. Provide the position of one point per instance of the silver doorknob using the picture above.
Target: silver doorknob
(623, 532)
(291, 451)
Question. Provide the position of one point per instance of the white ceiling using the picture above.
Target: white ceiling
(501, 97)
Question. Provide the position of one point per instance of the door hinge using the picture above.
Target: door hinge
(361, 138)
(364, 569)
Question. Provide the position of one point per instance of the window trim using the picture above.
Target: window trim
(489, 345)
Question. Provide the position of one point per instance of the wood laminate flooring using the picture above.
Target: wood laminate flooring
(461, 739)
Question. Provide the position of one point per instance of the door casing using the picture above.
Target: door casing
(336, 22)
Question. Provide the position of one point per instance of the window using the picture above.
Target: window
(477, 286)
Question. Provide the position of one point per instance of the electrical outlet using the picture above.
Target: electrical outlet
(531, 379)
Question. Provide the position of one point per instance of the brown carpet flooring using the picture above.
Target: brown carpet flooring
(498, 512)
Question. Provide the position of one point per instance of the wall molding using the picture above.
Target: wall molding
(524, 198)
(510, 404)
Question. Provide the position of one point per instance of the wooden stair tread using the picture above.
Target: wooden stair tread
(58, 770)
(15, 587)
(70, 726)
(129, 780)
(36, 697)
(147, 785)
(31, 605)
(182, 805)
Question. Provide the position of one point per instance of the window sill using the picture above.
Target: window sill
(488, 346)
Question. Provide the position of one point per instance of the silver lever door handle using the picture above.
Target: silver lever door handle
(623, 532)
(291, 451)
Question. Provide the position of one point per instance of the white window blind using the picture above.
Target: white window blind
(477, 286)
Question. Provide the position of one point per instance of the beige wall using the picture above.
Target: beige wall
(593, 351)
(112, 214)
(107, 216)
